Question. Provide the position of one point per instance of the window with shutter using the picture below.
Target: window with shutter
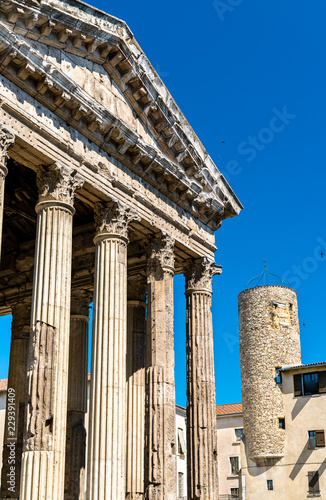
(313, 482)
(234, 462)
(320, 439)
(310, 383)
(322, 382)
(297, 385)
(270, 486)
(312, 440)
(181, 443)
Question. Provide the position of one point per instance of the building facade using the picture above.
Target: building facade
(229, 423)
(300, 472)
(284, 402)
(106, 193)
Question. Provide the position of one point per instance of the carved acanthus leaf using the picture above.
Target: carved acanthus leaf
(160, 255)
(199, 273)
(114, 218)
(59, 184)
(7, 139)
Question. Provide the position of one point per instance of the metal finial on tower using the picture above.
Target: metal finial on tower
(265, 276)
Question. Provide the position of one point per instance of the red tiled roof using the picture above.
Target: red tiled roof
(296, 367)
(3, 384)
(230, 409)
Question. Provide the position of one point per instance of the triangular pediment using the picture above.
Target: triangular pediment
(86, 67)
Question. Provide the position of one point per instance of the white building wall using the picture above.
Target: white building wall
(181, 423)
(227, 446)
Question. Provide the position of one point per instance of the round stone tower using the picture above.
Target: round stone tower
(269, 339)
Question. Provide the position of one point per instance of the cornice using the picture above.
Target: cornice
(80, 29)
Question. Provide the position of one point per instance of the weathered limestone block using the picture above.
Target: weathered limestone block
(136, 341)
(269, 339)
(201, 401)
(106, 464)
(7, 140)
(47, 379)
(160, 458)
(13, 434)
(77, 396)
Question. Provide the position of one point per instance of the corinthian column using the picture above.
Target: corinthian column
(136, 337)
(77, 396)
(106, 474)
(15, 405)
(201, 402)
(7, 139)
(47, 370)
(160, 458)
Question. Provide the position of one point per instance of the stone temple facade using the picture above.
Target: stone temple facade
(106, 193)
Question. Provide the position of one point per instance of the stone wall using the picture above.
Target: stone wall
(269, 338)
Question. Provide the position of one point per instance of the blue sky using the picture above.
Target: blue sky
(250, 78)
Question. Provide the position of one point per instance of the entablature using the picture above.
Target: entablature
(182, 169)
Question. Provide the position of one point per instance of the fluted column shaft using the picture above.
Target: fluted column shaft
(136, 340)
(108, 418)
(201, 401)
(160, 458)
(77, 396)
(15, 405)
(47, 372)
(7, 139)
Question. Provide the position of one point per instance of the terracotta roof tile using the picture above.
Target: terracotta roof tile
(230, 409)
(296, 367)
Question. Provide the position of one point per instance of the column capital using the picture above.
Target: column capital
(199, 274)
(80, 300)
(7, 139)
(160, 255)
(112, 220)
(58, 186)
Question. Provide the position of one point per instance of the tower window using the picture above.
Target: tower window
(270, 484)
(278, 376)
(281, 423)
